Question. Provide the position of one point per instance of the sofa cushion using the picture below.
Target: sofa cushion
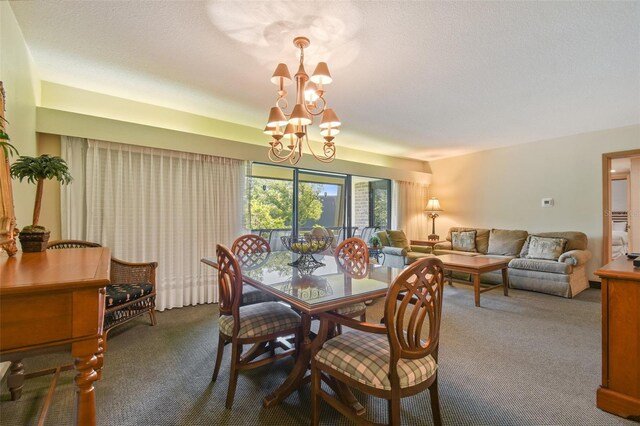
(464, 241)
(384, 239)
(548, 248)
(482, 237)
(540, 265)
(119, 294)
(397, 239)
(575, 240)
(506, 242)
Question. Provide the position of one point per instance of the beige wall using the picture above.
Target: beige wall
(503, 188)
(50, 213)
(16, 73)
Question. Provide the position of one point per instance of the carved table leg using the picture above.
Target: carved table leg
(85, 364)
(505, 280)
(15, 381)
(102, 348)
(296, 377)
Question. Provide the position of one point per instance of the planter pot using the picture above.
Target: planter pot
(33, 242)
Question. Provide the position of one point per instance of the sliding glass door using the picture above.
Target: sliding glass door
(322, 199)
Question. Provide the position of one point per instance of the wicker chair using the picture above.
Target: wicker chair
(260, 324)
(390, 360)
(132, 291)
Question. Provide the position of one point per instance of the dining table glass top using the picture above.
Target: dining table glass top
(316, 285)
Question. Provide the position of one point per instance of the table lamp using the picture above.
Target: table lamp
(433, 206)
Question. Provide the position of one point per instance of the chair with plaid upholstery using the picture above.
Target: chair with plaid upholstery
(259, 323)
(389, 360)
(246, 245)
(352, 255)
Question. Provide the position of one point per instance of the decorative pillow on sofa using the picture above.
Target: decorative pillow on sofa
(506, 242)
(547, 248)
(463, 241)
(398, 239)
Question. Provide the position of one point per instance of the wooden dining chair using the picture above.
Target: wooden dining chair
(250, 324)
(389, 360)
(246, 245)
(352, 256)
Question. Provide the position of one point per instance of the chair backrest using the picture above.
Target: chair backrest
(352, 255)
(249, 244)
(229, 283)
(342, 233)
(414, 296)
(67, 244)
(367, 233)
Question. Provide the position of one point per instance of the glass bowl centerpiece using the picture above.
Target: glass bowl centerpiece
(306, 247)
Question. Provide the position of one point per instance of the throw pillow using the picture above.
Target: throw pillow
(463, 241)
(546, 248)
(398, 239)
(506, 242)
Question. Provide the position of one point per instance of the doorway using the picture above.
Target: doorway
(621, 204)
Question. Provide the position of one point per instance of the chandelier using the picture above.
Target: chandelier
(289, 130)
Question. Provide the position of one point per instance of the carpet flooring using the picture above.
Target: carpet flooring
(526, 359)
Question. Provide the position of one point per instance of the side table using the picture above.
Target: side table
(377, 254)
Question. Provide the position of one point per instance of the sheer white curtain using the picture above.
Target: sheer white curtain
(150, 204)
(408, 202)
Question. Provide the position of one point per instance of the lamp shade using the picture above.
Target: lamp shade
(321, 75)
(329, 119)
(433, 205)
(272, 131)
(281, 72)
(300, 116)
(290, 130)
(329, 131)
(276, 118)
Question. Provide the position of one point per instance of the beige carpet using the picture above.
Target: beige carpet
(527, 359)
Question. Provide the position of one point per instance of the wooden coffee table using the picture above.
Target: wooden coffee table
(475, 266)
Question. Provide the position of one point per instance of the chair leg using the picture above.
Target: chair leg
(394, 410)
(221, 344)
(315, 395)
(152, 314)
(435, 402)
(236, 350)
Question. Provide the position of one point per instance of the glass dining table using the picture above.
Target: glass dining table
(310, 291)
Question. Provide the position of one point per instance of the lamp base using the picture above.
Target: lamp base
(433, 237)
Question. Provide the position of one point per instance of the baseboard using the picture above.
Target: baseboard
(595, 284)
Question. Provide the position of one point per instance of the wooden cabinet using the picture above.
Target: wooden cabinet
(620, 390)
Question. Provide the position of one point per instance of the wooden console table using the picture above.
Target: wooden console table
(620, 390)
(56, 299)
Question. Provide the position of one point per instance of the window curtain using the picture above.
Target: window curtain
(149, 204)
(409, 200)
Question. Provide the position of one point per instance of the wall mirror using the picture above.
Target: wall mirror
(7, 213)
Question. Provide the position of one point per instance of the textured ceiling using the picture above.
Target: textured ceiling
(423, 80)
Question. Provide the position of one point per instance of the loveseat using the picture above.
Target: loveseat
(548, 262)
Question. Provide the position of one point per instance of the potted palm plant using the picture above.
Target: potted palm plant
(34, 237)
(374, 241)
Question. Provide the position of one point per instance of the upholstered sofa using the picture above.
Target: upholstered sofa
(397, 251)
(547, 262)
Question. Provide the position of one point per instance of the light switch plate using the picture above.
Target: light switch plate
(547, 202)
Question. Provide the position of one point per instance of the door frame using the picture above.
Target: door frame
(606, 198)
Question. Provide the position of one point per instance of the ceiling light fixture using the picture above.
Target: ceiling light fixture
(291, 128)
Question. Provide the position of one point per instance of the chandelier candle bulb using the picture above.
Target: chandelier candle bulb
(309, 103)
